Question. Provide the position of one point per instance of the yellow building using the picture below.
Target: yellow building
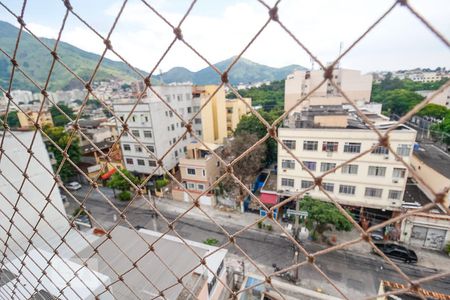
(236, 108)
(211, 122)
(27, 121)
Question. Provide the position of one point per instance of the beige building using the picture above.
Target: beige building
(433, 165)
(235, 110)
(198, 171)
(324, 139)
(27, 121)
(210, 124)
(298, 84)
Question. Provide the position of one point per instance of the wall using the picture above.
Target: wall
(28, 215)
(441, 222)
(237, 109)
(361, 180)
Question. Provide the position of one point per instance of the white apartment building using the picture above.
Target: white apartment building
(157, 127)
(323, 139)
(356, 86)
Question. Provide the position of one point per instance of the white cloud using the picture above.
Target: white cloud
(400, 41)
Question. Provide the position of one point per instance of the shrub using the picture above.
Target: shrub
(260, 224)
(447, 248)
(211, 242)
(269, 227)
(160, 183)
(125, 196)
(82, 213)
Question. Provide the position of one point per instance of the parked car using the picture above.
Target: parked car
(73, 186)
(396, 251)
(377, 235)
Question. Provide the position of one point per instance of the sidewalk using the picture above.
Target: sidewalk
(433, 259)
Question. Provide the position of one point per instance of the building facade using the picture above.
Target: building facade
(236, 109)
(210, 123)
(376, 180)
(156, 127)
(356, 86)
(198, 171)
(27, 121)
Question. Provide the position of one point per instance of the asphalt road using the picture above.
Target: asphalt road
(357, 275)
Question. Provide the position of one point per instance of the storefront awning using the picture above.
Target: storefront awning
(269, 198)
(108, 174)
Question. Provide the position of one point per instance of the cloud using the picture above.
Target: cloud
(222, 30)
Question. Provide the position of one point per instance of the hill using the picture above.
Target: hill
(36, 60)
(244, 71)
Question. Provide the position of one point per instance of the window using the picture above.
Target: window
(306, 184)
(326, 166)
(126, 147)
(377, 171)
(191, 186)
(372, 192)
(330, 146)
(198, 132)
(191, 171)
(310, 145)
(168, 98)
(172, 127)
(151, 148)
(188, 96)
(352, 147)
(393, 194)
(399, 173)
(133, 118)
(200, 187)
(174, 140)
(203, 173)
(350, 169)
(147, 134)
(347, 189)
(287, 182)
(403, 150)
(288, 164)
(184, 149)
(167, 113)
(137, 148)
(146, 118)
(380, 150)
(290, 144)
(129, 161)
(170, 113)
(328, 186)
(141, 162)
(189, 110)
(152, 163)
(179, 97)
(176, 153)
(198, 121)
(135, 132)
(310, 165)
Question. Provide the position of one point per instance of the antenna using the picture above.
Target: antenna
(340, 51)
(161, 77)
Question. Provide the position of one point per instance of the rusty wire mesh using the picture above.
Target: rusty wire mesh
(272, 17)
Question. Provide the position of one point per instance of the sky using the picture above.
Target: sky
(220, 29)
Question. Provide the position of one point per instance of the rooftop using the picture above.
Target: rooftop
(435, 158)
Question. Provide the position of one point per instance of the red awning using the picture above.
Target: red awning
(269, 198)
(108, 174)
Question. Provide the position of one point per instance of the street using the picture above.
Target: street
(357, 275)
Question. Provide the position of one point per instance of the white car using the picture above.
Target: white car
(73, 186)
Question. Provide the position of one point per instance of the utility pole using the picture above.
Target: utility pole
(297, 209)
(296, 268)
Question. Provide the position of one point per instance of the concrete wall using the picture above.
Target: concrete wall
(432, 221)
(33, 201)
(361, 180)
(434, 179)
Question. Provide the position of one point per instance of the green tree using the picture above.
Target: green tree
(61, 138)
(117, 181)
(433, 110)
(323, 214)
(442, 130)
(13, 119)
(250, 124)
(59, 119)
(269, 96)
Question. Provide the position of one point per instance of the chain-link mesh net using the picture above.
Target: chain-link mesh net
(36, 272)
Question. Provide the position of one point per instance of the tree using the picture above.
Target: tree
(433, 110)
(61, 138)
(250, 124)
(323, 214)
(117, 181)
(13, 119)
(60, 119)
(248, 167)
(269, 96)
